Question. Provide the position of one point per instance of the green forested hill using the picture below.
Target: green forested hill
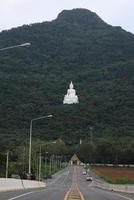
(76, 46)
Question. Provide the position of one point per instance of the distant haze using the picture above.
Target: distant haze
(18, 12)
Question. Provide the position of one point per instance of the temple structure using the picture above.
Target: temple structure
(71, 97)
(74, 160)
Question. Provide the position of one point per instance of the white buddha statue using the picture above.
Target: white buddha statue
(71, 96)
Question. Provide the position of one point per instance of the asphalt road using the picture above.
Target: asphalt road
(65, 186)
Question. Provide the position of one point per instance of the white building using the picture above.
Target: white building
(74, 160)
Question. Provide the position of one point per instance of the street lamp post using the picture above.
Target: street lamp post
(30, 139)
(16, 46)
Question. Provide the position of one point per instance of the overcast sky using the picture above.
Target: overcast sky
(15, 13)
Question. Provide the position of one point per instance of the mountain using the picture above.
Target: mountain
(77, 46)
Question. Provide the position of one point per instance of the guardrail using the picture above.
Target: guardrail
(19, 184)
(114, 187)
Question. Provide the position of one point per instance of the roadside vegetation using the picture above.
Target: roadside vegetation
(47, 159)
(55, 154)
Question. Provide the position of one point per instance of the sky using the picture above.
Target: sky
(14, 13)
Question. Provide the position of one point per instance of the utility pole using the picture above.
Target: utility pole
(23, 160)
(54, 163)
(46, 164)
(37, 167)
(91, 134)
(40, 165)
(60, 161)
(50, 166)
(7, 163)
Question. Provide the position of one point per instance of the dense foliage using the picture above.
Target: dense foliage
(77, 46)
(55, 154)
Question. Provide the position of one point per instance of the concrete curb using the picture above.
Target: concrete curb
(19, 184)
(113, 187)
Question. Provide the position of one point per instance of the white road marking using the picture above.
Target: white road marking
(17, 197)
(114, 193)
(124, 197)
(66, 173)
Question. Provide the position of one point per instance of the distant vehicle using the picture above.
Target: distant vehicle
(16, 176)
(84, 172)
(82, 164)
(89, 178)
(49, 176)
(88, 170)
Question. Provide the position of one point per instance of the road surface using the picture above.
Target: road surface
(68, 185)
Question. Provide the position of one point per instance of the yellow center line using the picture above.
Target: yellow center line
(74, 192)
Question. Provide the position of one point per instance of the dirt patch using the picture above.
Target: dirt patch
(115, 173)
